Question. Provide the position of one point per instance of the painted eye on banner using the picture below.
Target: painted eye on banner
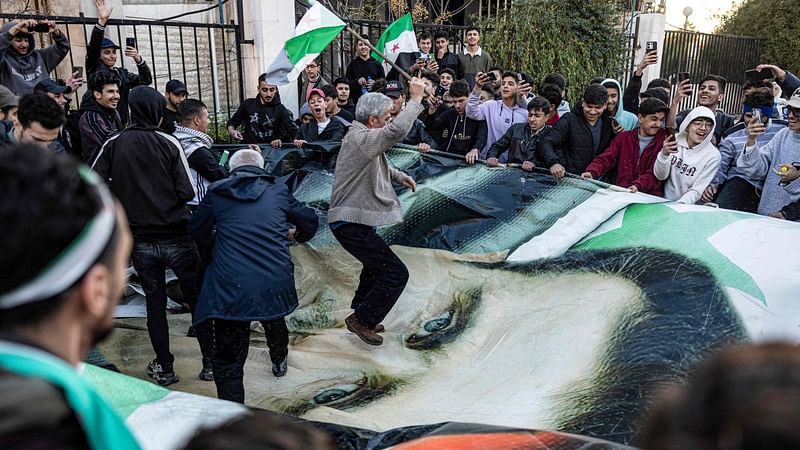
(447, 326)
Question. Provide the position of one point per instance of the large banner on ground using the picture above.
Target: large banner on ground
(532, 304)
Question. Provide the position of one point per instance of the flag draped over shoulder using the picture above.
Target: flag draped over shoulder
(398, 38)
(313, 33)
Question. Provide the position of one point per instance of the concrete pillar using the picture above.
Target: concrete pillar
(651, 28)
(269, 23)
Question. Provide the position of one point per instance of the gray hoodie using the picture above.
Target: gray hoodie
(21, 73)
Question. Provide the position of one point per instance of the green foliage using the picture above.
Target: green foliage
(775, 21)
(578, 39)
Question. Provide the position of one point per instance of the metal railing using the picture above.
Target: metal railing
(701, 54)
(205, 57)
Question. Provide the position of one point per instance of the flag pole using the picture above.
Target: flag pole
(380, 53)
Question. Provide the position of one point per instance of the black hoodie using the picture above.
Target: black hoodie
(147, 170)
(264, 122)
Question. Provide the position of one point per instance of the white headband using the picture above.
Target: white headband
(76, 259)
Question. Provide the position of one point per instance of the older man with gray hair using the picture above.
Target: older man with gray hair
(251, 275)
(363, 198)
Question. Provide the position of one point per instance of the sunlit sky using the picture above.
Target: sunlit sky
(703, 13)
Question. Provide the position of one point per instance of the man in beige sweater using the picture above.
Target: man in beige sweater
(363, 198)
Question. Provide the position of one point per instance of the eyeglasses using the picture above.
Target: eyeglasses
(788, 109)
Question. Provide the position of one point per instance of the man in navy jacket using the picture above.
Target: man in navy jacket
(251, 275)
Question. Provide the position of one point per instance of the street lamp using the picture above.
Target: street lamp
(687, 12)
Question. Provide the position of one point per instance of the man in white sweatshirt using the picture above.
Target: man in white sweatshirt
(689, 161)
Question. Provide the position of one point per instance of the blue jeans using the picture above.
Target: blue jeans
(151, 258)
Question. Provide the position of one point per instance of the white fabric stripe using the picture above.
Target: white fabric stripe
(75, 260)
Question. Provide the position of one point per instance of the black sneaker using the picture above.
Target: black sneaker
(207, 374)
(166, 378)
(153, 368)
(280, 368)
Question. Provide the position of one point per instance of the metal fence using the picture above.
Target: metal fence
(701, 54)
(204, 56)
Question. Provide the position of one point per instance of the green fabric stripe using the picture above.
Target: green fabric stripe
(124, 394)
(312, 42)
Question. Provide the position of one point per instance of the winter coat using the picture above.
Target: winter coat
(127, 79)
(251, 275)
(203, 165)
(460, 134)
(148, 171)
(689, 171)
(419, 135)
(570, 141)
(450, 61)
(96, 125)
(333, 132)
(264, 122)
(21, 73)
(632, 169)
(520, 143)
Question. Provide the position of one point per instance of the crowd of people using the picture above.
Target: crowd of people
(158, 193)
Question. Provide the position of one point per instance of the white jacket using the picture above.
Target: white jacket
(689, 171)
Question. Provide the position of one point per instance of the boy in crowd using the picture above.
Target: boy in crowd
(446, 78)
(418, 135)
(459, 134)
(175, 92)
(560, 81)
(633, 153)
(625, 121)
(710, 95)
(99, 119)
(522, 139)
(579, 136)
(732, 189)
(499, 115)
(444, 58)
(343, 95)
(689, 162)
(101, 55)
(22, 65)
(475, 59)
(265, 119)
(333, 109)
(321, 127)
(775, 162)
(553, 95)
(362, 71)
(39, 120)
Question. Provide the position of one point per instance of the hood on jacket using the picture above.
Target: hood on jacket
(31, 43)
(147, 106)
(615, 84)
(191, 139)
(276, 100)
(246, 183)
(696, 113)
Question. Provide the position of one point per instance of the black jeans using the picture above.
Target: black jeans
(383, 277)
(151, 257)
(231, 343)
(739, 195)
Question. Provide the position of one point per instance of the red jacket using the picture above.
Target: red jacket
(632, 170)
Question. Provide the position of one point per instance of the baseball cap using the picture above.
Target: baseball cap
(652, 105)
(317, 91)
(794, 100)
(7, 98)
(393, 89)
(108, 43)
(52, 86)
(176, 87)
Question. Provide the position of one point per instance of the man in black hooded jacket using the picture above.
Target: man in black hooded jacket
(265, 119)
(149, 174)
(579, 135)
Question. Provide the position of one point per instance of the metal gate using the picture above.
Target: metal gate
(701, 54)
(204, 56)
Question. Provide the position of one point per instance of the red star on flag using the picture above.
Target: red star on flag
(395, 47)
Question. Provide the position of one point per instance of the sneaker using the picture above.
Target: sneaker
(280, 368)
(157, 373)
(166, 378)
(153, 368)
(366, 334)
(207, 374)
